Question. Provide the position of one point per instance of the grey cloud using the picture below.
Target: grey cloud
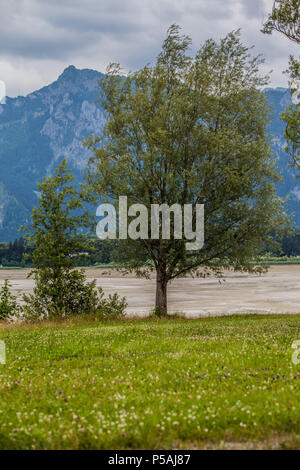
(41, 37)
(212, 9)
(253, 8)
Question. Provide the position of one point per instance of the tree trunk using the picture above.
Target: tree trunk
(161, 293)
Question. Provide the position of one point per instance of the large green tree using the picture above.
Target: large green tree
(285, 19)
(190, 130)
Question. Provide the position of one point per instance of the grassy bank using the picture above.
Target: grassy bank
(268, 260)
(216, 382)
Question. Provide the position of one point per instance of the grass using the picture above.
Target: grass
(269, 260)
(8, 268)
(226, 382)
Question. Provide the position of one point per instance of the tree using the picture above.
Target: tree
(8, 302)
(190, 130)
(285, 18)
(60, 289)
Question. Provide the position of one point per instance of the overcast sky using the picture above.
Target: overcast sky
(40, 38)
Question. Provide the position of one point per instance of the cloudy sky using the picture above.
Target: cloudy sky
(40, 38)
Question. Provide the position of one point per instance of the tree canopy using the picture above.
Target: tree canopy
(285, 19)
(190, 130)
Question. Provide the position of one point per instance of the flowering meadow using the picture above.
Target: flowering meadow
(226, 382)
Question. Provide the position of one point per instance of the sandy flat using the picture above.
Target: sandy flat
(277, 291)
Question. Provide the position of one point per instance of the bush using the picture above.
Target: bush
(74, 297)
(53, 299)
(111, 308)
(8, 303)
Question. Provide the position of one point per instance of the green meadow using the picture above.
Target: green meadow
(174, 383)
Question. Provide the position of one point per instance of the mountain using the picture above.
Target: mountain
(38, 130)
(279, 99)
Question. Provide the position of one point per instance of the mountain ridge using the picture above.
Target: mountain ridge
(41, 128)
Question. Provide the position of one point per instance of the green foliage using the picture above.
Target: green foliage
(12, 253)
(290, 244)
(291, 116)
(18, 254)
(8, 303)
(269, 258)
(79, 298)
(158, 312)
(285, 18)
(60, 289)
(100, 252)
(110, 308)
(57, 222)
(67, 295)
(190, 130)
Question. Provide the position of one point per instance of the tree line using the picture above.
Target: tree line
(13, 254)
(18, 253)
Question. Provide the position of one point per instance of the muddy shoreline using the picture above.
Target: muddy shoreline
(277, 291)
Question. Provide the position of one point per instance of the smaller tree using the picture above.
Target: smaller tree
(285, 19)
(60, 290)
(8, 302)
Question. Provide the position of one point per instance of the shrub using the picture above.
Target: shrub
(111, 308)
(55, 299)
(75, 297)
